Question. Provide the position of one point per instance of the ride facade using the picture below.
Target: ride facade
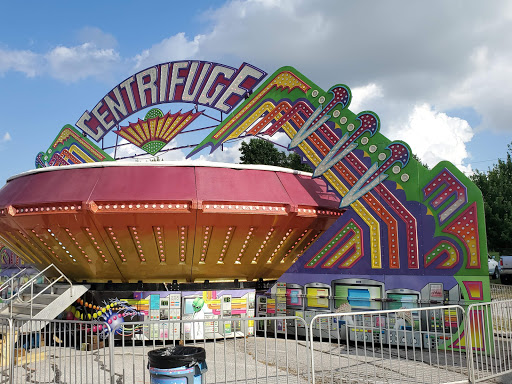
(370, 229)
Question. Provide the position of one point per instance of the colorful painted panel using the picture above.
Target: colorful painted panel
(165, 305)
(203, 83)
(8, 259)
(70, 147)
(156, 130)
(405, 226)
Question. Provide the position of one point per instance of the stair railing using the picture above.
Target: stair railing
(9, 294)
(34, 280)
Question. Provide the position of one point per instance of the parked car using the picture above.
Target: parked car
(506, 269)
(494, 267)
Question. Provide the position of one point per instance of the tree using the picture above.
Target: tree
(293, 161)
(259, 151)
(496, 187)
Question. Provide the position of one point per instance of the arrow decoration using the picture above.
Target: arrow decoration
(375, 174)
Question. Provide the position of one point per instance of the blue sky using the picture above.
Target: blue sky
(437, 73)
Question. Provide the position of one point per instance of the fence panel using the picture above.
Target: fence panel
(501, 292)
(418, 345)
(489, 330)
(5, 349)
(250, 350)
(58, 351)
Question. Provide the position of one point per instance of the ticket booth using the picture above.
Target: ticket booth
(226, 327)
(294, 305)
(261, 311)
(191, 303)
(359, 295)
(174, 300)
(153, 331)
(317, 301)
(433, 295)
(404, 327)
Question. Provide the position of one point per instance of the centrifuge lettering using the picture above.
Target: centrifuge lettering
(201, 82)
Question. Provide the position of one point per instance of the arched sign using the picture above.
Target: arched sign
(203, 83)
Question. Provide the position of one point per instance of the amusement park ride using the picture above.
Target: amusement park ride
(370, 229)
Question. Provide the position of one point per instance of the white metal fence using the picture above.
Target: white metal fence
(501, 292)
(395, 346)
(490, 344)
(251, 350)
(56, 351)
(422, 345)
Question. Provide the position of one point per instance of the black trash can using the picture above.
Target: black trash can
(177, 365)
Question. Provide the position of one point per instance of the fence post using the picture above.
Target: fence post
(309, 338)
(11, 350)
(111, 354)
(469, 347)
(309, 352)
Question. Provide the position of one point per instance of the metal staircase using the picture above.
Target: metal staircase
(40, 297)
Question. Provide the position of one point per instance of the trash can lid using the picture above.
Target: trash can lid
(176, 356)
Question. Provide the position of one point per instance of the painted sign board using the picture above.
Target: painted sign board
(204, 83)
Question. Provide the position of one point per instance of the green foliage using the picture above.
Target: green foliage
(259, 151)
(496, 187)
(293, 161)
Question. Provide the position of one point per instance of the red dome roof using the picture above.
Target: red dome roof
(163, 221)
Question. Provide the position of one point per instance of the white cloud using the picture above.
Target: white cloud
(400, 67)
(96, 57)
(26, 62)
(175, 154)
(176, 47)
(281, 139)
(435, 136)
(126, 149)
(230, 153)
(396, 56)
(408, 66)
(362, 97)
(413, 52)
(487, 88)
(71, 64)
(6, 137)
